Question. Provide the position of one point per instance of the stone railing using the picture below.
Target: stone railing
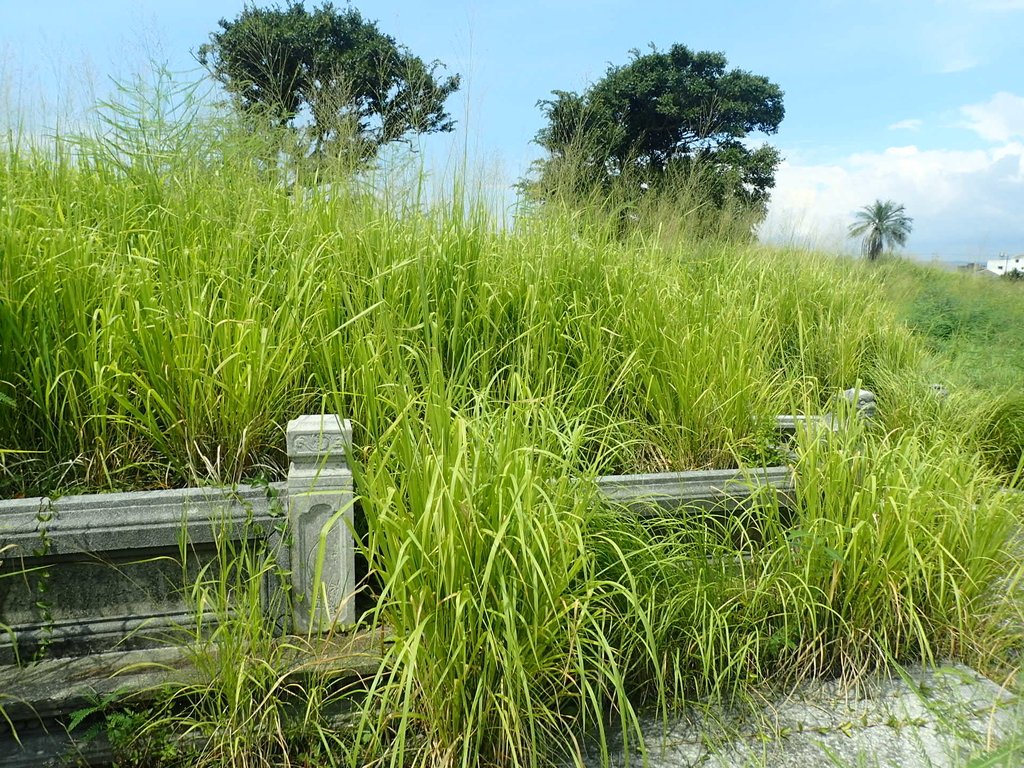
(86, 574)
(91, 573)
(721, 490)
(90, 584)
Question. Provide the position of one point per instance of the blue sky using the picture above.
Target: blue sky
(921, 101)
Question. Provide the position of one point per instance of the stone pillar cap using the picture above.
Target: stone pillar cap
(314, 437)
(860, 395)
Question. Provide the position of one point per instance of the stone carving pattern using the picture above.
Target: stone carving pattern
(316, 445)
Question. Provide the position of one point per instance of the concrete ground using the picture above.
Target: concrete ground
(945, 717)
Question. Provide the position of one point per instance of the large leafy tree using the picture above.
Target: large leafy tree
(881, 226)
(663, 113)
(334, 77)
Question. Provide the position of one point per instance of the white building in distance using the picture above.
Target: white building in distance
(1005, 265)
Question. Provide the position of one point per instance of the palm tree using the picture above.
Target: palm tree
(882, 225)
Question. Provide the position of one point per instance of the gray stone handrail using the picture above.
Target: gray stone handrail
(106, 522)
(724, 488)
(128, 544)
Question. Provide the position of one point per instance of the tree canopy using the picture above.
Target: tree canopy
(881, 225)
(331, 75)
(666, 111)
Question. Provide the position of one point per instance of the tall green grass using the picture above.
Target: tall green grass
(477, 532)
(170, 296)
(526, 615)
(170, 299)
(242, 694)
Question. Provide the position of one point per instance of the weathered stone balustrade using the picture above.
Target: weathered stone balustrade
(92, 583)
(91, 573)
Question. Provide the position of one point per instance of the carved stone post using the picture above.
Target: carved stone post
(320, 498)
(863, 402)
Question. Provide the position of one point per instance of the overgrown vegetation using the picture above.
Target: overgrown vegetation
(167, 303)
(970, 324)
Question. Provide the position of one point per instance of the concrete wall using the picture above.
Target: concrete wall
(88, 573)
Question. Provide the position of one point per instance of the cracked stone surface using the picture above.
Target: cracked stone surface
(921, 717)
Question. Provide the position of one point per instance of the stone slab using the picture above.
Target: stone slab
(788, 425)
(921, 717)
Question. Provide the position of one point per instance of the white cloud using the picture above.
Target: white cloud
(1000, 119)
(964, 203)
(911, 124)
